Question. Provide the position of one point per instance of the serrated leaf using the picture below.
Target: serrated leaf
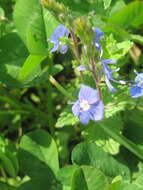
(66, 118)
(117, 50)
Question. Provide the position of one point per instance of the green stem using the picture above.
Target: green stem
(123, 141)
(59, 87)
(49, 100)
(3, 173)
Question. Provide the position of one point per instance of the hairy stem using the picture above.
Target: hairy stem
(76, 51)
(95, 77)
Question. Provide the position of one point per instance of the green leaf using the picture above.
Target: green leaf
(114, 186)
(95, 133)
(116, 50)
(129, 16)
(4, 186)
(78, 180)
(39, 147)
(28, 17)
(126, 186)
(8, 157)
(38, 157)
(107, 3)
(7, 165)
(90, 154)
(30, 64)
(35, 25)
(2, 14)
(117, 6)
(95, 179)
(65, 174)
(12, 58)
(137, 38)
(66, 118)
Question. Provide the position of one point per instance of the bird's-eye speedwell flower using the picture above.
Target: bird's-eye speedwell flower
(137, 89)
(60, 31)
(88, 106)
(98, 35)
(108, 74)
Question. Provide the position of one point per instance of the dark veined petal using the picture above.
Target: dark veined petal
(89, 94)
(76, 108)
(97, 111)
(136, 91)
(109, 85)
(84, 117)
(63, 49)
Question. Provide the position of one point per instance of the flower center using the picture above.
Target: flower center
(84, 105)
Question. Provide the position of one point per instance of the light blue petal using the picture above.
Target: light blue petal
(55, 48)
(98, 35)
(97, 111)
(76, 108)
(63, 49)
(84, 117)
(109, 85)
(108, 72)
(136, 91)
(108, 61)
(60, 31)
(139, 78)
(81, 68)
(89, 94)
(98, 32)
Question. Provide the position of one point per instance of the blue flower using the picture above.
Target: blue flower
(137, 89)
(99, 35)
(81, 68)
(108, 74)
(60, 31)
(88, 106)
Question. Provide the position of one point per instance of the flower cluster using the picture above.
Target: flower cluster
(89, 105)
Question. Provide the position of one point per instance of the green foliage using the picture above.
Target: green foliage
(38, 152)
(42, 144)
(129, 16)
(90, 154)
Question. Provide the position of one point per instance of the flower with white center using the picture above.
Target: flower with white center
(88, 106)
